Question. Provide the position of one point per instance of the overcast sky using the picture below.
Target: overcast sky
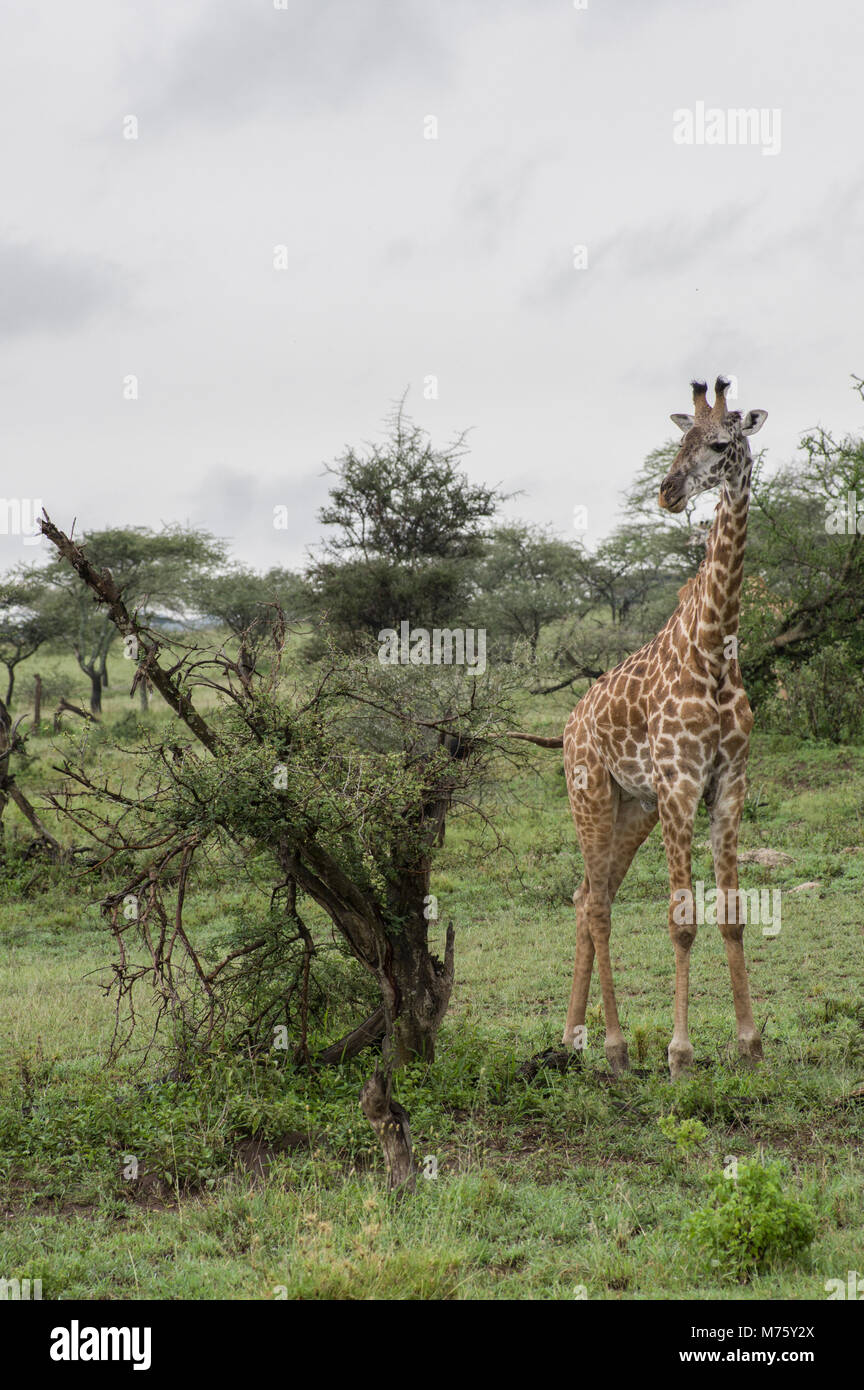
(409, 257)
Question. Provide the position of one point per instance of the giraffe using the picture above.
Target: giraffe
(668, 727)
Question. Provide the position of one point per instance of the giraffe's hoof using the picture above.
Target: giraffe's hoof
(616, 1056)
(750, 1049)
(680, 1059)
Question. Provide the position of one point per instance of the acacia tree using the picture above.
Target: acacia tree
(342, 782)
(406, 527)
(526, 579)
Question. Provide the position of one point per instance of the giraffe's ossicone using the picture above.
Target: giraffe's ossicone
(666, 729)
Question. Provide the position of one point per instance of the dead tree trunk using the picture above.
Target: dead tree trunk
(389, 1120)
(422, 985)
(415, 985)
(37, 702)
(369, 1033)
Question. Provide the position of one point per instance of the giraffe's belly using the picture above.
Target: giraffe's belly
(635, 780)
(639, 770)
(626, 755)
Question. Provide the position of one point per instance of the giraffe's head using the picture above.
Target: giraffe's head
(714, 448)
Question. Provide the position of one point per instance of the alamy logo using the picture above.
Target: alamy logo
(19, 517)
(15, 1290)
(741, 907)
(712, 125)
(843, 517)
(850, 1287)
(446, 646)
(76, 1343)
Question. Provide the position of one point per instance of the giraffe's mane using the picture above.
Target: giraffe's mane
(686, 589)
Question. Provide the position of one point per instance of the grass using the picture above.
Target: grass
(256, 1180)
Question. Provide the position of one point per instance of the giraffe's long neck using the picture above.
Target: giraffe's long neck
(718, 598)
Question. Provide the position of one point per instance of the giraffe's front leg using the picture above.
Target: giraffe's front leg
(677, 807)
(725, 813)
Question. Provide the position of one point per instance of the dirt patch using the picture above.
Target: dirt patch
(254, 1156)
(151, 1191)
(768, 858)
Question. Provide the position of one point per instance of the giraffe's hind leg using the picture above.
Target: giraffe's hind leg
(610, 831)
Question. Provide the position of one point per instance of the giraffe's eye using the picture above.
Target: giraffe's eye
(717, 448)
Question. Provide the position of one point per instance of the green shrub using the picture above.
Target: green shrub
(686, 1135)
(751, 1221)
(823, 698)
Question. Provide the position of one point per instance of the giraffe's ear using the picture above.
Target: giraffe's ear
(753, 421)
(684, 422)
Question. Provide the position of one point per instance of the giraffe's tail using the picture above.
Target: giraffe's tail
(543, 742)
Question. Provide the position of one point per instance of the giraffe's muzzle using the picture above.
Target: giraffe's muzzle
(672, 496)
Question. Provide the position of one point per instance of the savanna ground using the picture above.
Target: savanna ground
(259, 1179)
